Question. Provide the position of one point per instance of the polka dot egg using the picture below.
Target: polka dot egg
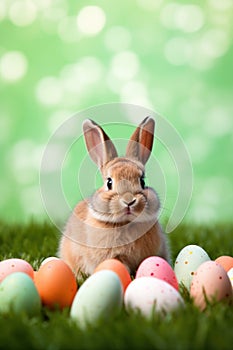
(210, 284)
(187, 262)
(156, 266)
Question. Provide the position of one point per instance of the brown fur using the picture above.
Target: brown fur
(100, 227)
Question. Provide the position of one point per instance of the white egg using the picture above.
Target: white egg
(230, 275)
(149, 295)
(50, 258)
(99, 297)
(187, 262)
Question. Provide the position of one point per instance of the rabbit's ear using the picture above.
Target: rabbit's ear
(141, 142)
(99, 145)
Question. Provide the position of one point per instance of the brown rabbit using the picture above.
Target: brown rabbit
(120, 220)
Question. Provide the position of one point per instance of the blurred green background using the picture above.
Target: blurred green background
(58, 57)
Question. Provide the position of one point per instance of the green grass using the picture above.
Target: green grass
(186, 329)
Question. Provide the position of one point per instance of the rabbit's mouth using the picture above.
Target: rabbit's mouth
(129, 212)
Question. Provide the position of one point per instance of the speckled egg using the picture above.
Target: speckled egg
(187, 262)
(154, 266)
(210, 282)
(99, 297)
(149, 295)
(12, 265)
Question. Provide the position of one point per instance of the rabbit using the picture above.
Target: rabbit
(120, 220)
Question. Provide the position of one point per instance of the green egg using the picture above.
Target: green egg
(18, 294)
(100, 296)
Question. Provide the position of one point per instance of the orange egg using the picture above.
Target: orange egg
(56, 284)
(34, 275)
(119, 268)
(226, 262)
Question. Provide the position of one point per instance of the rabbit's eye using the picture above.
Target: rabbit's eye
(109, 183)
(142, 182)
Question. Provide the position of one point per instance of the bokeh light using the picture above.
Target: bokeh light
(91, 20)
(22, 12)
(13, 66)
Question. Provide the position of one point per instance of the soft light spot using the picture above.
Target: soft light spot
(177, 51)
(203, 214)
(168, 14)
(91, 20)
(77, 78)
(211, 45)
(49, 91)
(189, 18)
(221, 5)
(117, 39)
(135, 92)
(52, 16)
(13, 66)
(67, 29)
(214, 43)
(90, 68)
(218, 121)
(125, 65)
(23, 12)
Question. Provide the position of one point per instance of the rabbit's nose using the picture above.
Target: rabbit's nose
(131, 203)
(128, 199)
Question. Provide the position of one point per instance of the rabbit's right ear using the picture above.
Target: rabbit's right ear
(99, 145)
(141, 142)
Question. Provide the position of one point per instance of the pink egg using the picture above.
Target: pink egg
(154, 266)
(210, 282)
(9, 266)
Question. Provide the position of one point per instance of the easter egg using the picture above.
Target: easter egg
(149, 295)
(99, 297)
(187, 262)
(157, 267)
(225, 261)
(18, 294)
(210, 282)
(56, 284)
(12, 265)
(118, 267)
(230, 275)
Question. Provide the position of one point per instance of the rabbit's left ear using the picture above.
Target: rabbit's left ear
(100, 147)
(141, 142)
